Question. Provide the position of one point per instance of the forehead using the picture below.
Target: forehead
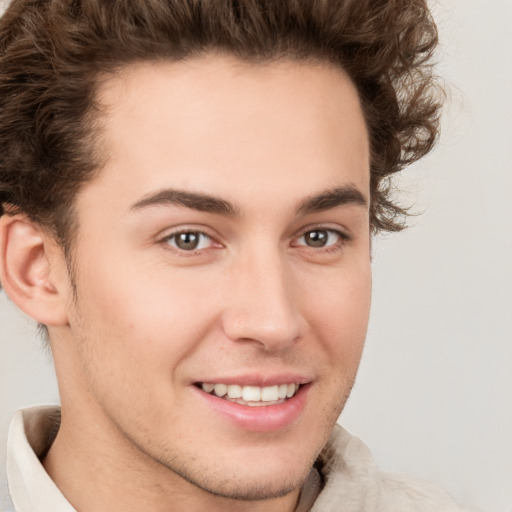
(217, 124)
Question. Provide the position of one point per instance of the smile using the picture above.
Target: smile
(256, 408)
(252, 396)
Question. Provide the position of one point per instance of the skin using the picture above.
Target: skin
(147, 319)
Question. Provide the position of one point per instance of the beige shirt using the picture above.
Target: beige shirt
(347, 479)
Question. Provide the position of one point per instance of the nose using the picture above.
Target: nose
(262, 306)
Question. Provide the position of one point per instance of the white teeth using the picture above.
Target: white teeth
(234, 391)
(282, 391)
(252, 395)
(220, 389)
(269, 394)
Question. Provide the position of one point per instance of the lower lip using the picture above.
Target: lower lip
(264, 418)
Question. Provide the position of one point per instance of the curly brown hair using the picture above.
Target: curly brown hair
(54, 52)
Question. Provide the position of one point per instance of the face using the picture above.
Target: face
(222, 270)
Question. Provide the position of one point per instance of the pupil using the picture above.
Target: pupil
(187, 241)
(316, 238)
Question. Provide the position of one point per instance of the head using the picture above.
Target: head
(193, 187)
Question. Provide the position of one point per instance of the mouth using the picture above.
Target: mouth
(270, 407)
(252, 396)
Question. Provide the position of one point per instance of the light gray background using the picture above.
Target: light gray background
(434, 393)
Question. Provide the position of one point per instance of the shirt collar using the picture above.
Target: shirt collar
(31, 488)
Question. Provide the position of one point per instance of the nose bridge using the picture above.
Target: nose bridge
(262, 305)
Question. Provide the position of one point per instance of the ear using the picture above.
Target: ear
(33, 270)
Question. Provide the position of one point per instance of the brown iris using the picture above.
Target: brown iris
(187, 241)
(317, 238)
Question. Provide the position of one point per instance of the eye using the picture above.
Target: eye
(321, 238)
(189, 241)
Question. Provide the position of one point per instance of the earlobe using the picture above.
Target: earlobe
(29, 270)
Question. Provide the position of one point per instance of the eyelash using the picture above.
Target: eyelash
(193, 252)
(343, 238)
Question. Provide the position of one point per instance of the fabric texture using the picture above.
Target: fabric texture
(353, 483)
(345, 477)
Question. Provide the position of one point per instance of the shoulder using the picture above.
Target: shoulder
(353, 483)
(407, 493)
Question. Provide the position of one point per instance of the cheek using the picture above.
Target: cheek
(339, 313)
(147, 323)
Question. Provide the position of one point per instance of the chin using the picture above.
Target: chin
(248, 479)
(252, 487)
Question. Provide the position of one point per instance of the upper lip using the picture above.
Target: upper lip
(258, 380)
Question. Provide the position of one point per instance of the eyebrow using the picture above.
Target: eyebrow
(342, 196)
(193, 200)
(347, 195)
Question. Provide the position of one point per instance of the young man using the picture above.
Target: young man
(188, 194)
